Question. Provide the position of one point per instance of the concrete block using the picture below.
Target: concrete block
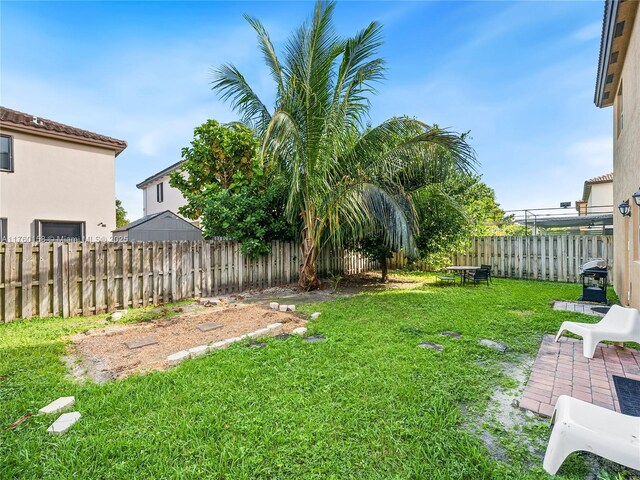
(217, 345)
(63, 423)
(141, 342)
(58, 405)
(205, 327)
(300, 331)
(178, 357)
(283, 308)
(199, 350)
(259, 333)
(291, 308)
(274, 305)
(274, 327)
(315, 315)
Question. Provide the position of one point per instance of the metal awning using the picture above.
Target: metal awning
(601, 219)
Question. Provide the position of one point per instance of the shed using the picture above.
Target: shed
(158, 227)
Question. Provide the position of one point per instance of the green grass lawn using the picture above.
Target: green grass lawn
(365, 404)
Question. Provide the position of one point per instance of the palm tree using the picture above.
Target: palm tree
(344, 179)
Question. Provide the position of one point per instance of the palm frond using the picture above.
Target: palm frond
(231, 85)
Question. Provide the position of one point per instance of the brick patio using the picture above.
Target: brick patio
(561, 369)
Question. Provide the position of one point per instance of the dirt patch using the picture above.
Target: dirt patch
(102, 354)
(348, 286)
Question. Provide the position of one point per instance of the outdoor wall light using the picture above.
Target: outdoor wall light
(624, 208)
(636, 197)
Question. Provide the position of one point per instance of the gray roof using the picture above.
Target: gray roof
(602, 219)
(146, 218)
(160, 174)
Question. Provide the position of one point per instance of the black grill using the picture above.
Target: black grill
(594, 283)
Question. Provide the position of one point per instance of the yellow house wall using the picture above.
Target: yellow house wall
(626, 179)
(57, 180)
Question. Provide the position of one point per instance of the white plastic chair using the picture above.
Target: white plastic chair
(620, 324)
(581, 426)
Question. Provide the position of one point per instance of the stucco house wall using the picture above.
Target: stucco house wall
(601, 198)
(173, 198)
(57, 179)
(624, 96)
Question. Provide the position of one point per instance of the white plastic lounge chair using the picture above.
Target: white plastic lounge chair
(620, 324)
(581, 426)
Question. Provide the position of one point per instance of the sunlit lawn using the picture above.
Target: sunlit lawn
(365, 404)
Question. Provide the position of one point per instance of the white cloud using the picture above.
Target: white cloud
(588, 32)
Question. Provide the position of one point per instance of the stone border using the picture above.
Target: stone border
(179, 357)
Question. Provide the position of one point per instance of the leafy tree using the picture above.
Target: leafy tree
(253, 214)
(221, 157)
(453, 211)
(341, 181)
(375, 247)
(121, 215)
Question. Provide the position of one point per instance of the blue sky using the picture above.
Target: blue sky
(519, 75)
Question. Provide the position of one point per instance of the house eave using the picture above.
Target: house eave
(613, 48)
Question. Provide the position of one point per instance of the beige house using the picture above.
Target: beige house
(158, 196)
(597, 195)
(618, 85)
(56, 181)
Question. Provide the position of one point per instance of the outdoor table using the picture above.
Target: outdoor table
(462, 270)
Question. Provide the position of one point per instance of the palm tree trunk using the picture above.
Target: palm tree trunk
(385, 269)
(309, 267)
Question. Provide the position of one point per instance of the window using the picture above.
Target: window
(3, 229)
(51, 230)
(620, 110)
(6, 153)
(160, 192)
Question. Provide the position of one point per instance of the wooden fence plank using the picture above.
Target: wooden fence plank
(26, 309)
(9, 282)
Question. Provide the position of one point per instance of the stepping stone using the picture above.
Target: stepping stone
(500, 347)
(448, 333)
(58, 405)
(176, 358)
(315, 315)
(205, 327)
(291, 308)
(274, 305)
(210, 302)
(257, 345)
(63, 423)
(299, 331)
(118, 314)
(141, 342)
(432, 346)
(274, 328)
(199, 350)
(282, 308)
(314, 339)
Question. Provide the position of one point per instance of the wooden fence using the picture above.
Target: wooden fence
(550, 257)
(69, 279)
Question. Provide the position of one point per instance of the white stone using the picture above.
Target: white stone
(178, 357)
(63, 423)
(199, 350)
(275, 326)
(217, 345)
(283, 308)
(315, 315)
(300, 331)
(291, 308)
(274, 305)
(58, 405)
(260, 333)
